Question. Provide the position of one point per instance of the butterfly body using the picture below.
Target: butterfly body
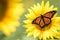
(44, 20)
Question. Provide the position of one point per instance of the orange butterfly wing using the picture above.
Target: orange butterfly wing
(49, 14)
(41, 24)
(47, 21)
(37, 20)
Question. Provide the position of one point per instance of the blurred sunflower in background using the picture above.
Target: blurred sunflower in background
(9, 17)
(47, 32)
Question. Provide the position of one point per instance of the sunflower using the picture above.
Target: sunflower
(9, 18)
(47, 32)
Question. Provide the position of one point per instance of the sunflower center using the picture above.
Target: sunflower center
(3, 5)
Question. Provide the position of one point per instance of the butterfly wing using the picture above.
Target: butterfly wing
(41, 24)
(37, 20)
(47, 20)
(49, 14)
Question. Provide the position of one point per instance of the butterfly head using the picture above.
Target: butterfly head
(42, 16)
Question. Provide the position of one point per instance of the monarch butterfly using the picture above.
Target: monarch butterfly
(44, 20)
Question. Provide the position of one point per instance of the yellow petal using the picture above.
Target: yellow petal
(47, 6)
